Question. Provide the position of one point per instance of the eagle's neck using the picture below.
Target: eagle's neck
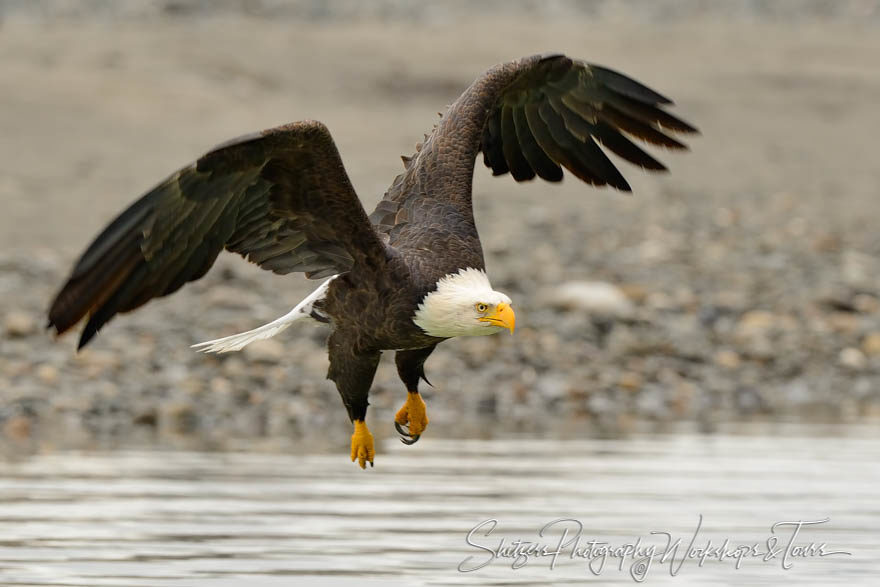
(451, 149)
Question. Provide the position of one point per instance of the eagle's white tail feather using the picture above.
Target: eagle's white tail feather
(236, 342)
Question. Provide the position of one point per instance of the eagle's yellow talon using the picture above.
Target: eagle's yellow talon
(362, 444)
(413, 414)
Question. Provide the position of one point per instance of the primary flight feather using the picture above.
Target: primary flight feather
(406, 277)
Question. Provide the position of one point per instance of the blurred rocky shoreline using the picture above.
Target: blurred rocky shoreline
(742, 286)
(688, 327)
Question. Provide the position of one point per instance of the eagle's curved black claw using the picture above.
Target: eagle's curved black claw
(410, 441)
(405, 437)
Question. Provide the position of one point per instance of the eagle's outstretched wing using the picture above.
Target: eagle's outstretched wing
(558, 112)
(280, 198)
(530, 117)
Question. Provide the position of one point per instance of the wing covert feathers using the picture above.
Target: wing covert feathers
(280, 198)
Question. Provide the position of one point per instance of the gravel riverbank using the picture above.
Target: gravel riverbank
(745, 284)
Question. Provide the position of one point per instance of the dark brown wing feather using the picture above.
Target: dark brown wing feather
(572, 105)
(530, 117)
(280, 198)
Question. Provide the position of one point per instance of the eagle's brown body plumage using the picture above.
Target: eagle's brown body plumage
(282, 199)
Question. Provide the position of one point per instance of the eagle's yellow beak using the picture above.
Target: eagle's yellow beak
(503, 317)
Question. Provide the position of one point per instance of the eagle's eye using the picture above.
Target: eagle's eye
(481, 307)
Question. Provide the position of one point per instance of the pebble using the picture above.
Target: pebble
(147, 417)
(18, 428)
(97, 361)
(180, 418)
(191, 384)
(48, 374)
(756, 321)
(852, 358)
(727, 358)
(661, 301)
(597, 298)
(265, 351)
(636, 292)
(631, 381)
(866, 304)
(871, 344)
(758, 333)
(859, 270)
(221, 386)
(682, 400)
(233, 365)
(844, 322)
(652, 402)
(19, 324)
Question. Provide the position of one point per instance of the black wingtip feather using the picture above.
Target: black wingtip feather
(639, 129)
(623, 147)
(583, 157)
(87, 335)
(519, 166)
(534, 152)
(627, 86)
(650, 114)
(606, 135)
(493, 153)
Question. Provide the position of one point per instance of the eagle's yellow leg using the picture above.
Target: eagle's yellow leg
(413, 414)
(362, 444)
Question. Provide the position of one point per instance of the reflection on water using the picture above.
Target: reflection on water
(193, 519)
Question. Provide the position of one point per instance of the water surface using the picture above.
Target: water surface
(134, 518)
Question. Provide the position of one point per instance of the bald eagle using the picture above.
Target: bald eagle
(408, 276)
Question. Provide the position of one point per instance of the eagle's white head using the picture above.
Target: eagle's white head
(464, 304)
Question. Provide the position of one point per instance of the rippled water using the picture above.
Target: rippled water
(194, 519)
